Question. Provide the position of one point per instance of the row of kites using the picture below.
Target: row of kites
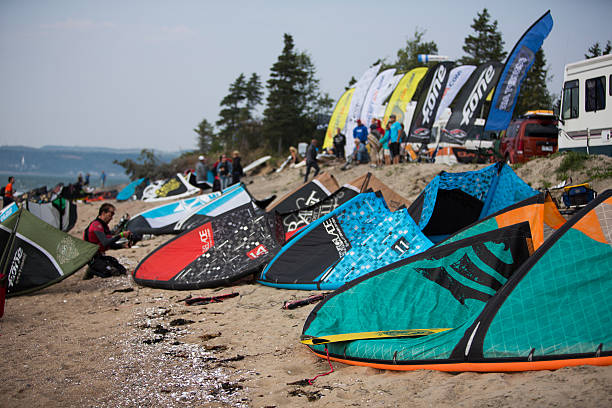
(479, 273)
(439, 86)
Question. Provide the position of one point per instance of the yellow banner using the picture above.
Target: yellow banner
(338, 118)
(404, 91)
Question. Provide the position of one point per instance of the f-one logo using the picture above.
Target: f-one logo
(206, 237)
(477, 94)
(433, 93)
(258, 251)
(16, 266)
(337, 238)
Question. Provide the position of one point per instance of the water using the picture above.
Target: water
(25, 182)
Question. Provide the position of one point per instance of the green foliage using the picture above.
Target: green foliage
(239, 128)
(487, 43)
(206, 140)
(572, 161)
(595, 50)
(151, 167)
(351, 82)
(534, 92)
(293, 99)
(407, 57)
(599, 173)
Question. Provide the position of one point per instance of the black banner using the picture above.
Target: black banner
(432, 90)
(470, 101)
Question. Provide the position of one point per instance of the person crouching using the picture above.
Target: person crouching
(99, 233)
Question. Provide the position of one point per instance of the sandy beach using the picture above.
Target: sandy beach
(112, 343)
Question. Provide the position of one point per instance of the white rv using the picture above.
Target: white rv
(586, 106)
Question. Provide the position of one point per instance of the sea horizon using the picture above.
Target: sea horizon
(30, 180)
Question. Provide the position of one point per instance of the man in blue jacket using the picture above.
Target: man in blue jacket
(361, 132)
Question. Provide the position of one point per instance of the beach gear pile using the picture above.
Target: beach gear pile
(479, 273)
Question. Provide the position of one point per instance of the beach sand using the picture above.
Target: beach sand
(111, 343)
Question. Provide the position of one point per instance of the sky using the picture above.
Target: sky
(144, 73)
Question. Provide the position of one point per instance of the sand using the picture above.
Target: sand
(111, 343)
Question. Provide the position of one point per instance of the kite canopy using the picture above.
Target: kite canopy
(519, 290)
(36, 255)
(133, 190)
(173, 188)
(306, 194)
(358, 237)
(226, 248)
(163, 219)
(452, 201)
(59, 213)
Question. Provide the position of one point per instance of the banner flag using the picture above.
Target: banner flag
(373, 98)
(361, 89)
(338, 118)
(456, 79)
(517, 65)
(403, 93)
(432, 90)
(469, 102)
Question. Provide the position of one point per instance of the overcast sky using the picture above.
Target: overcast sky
(143, 74)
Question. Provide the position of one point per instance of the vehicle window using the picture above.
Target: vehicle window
(541, 130)
(595, 94)
(512, 130)
(569, 109)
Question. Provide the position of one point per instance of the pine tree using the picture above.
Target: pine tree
(595, 50)
(293, 98)
(231, 113)
(487, 43)
(407, 57)
(534, 92)
(253, 94)
(206, 137)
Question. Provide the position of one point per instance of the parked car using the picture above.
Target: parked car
(533, 134)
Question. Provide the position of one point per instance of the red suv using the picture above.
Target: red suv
(533, 134)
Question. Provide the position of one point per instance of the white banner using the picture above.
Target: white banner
(456, 79)
(361, 89)
(373, 97)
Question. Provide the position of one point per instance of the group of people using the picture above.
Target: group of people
(376, 145)
(226, 171)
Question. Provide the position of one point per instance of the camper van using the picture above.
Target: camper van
(585, 120)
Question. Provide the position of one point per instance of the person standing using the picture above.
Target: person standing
(394, 138)
(311, 159)
(224, 171)
(339, 143)
(201, 173)
(103, 178)
(9, 192)
(373, 142)
(237, 171)
(360, 132)
(99, 233)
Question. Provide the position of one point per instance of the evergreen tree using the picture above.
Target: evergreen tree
(231, 113)
(407, 57)
(486, 45)
(206, 137)
(253, 94)
(293, 98)
(595, 50)
(534, 92)
(351, 82)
